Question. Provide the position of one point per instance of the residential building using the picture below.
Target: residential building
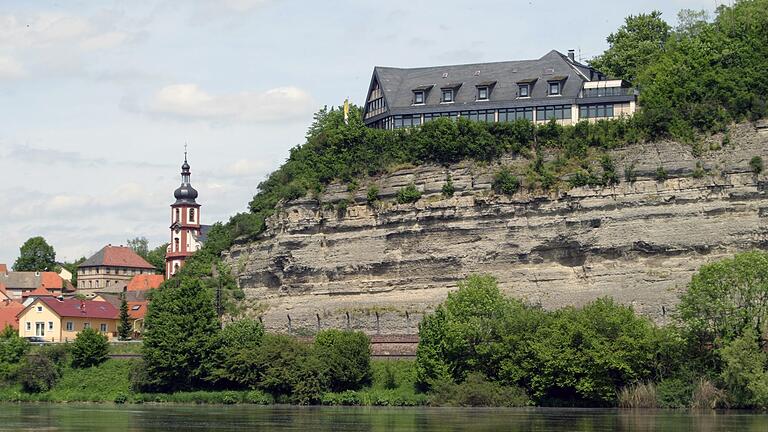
(60, 320)
(9, 308)
(137, 307)
(111, 265)
(187, 234)
(556, 86)
(16, 284)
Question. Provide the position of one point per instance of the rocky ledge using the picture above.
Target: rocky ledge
(380, 267)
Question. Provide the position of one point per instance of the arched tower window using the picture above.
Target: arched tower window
(177, 216)
(176, 244)
(191, 215)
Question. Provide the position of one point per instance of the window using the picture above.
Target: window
(524, 90)
(554, 88)
(447, 95)
(39, 308)
(29, 326)
(50, 325)
(512, 114)
(86, 325)
(405, 121)
(596, 111)
(70, 326)
(176, 219)
(557, 112)
(418, 97)
(135, 307)
(191, 215)
(103, 328)
(482, 93)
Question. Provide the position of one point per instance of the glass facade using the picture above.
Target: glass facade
(557, 112)
(606, 91)
(480, 115)
(596, 111)
(512, 114)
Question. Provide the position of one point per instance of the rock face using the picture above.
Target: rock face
(380, 267)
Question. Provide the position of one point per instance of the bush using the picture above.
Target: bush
(38, 374)
(408, 194)
(505, 183)
(745, 371)
(373, 194)
(138, 377)
(707, 396)
(341, 207)
(661, 174)
(674, 392)
(238, 337)
(390, 380)
(477, 391)
(699, 171)
(448, 190)
(90, 348)
(347, 357)
(609, 171)
(756, 164)
(629, 173)
(121, 398)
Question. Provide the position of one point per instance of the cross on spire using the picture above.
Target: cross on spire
(185, 152)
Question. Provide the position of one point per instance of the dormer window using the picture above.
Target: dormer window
(418, 97)
(524, 90)
(482, 93)
(554, 88)
(447, 95)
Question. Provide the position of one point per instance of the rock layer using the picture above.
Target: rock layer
(380, 267)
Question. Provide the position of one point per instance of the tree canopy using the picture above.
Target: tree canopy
(35, 255)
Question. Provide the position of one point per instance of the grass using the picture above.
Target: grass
(639, 395)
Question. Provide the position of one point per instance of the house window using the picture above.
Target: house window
(554, 88)
(39, 308)
(191, 215)
(103, 328)
(557, 112)
(524, 90)
(482, 93)
(70, 326)
(86, 325)
(29, 326)
(448, 95)
(50, 325)
(418, 97)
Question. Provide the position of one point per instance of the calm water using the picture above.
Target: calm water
(60, 417)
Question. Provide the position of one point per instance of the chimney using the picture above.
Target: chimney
(571, 55)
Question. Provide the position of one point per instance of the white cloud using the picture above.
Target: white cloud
(10, 68)
(191, 102)
(42, 30)
(104, 41)
(244, 167)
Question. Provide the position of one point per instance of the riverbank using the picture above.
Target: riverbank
(392, 385)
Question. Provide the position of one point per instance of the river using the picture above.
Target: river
(139, 418)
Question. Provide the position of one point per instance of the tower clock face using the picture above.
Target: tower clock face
(177, 230)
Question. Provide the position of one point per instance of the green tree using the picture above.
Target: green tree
(35, 255)
(235, 340)
(727, 297)
(124, 328)
(745, 371)
(72, 268)
(346, 355)
(140, 245)
(180, 330)
(90, 348)
(691, 22)
(636, 44)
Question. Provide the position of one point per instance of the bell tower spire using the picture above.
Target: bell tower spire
(185, 222)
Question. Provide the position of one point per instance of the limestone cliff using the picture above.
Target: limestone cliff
(380, 268)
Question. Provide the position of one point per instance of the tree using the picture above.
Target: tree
(691, 22)
(156, 257)
(346, 355)
(35, 255)
(726, 298)
(745, 371)
(180, 331)
(90, 348)
(124, 329)
(140, 245)
(635, 45)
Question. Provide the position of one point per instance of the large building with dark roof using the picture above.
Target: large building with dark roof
(556, 86)
(111, 265)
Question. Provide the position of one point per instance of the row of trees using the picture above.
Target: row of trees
(585, 356)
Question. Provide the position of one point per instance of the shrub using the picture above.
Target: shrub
(448, 190)
(629, 173)
(390, 380)
(639, 395)
(477, 391)
(744, 373)
(505, 183)
(37, 374)
(698, 172)
(241, 336)
(661, 174)
(347, 357)
(674, 392)
(408, 194)
(121, 398)
(373, 194)
(341, 207)
(756, 164)
(138, 377)
(609, 171)
(90, 348)
(584, 178)
(707, 396)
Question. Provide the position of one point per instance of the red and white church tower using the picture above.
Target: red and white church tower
(187, 234)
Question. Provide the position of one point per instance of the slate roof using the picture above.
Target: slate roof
(117, 256)
(31, 280)
(74, 308)
(398, 83)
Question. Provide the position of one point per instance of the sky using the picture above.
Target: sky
(98, 98)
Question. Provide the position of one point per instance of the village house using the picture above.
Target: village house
(135, 292)
(60, 320)
(555, 86)
(109, 266)
(19, 284)
(9, 308)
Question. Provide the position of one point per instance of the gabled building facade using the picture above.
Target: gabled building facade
(187, 233)
(109, 266)
(555, 86)
(60, 320)
(17, 285)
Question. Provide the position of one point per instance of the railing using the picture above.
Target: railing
(606, 91)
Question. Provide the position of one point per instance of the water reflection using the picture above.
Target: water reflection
(141, 418)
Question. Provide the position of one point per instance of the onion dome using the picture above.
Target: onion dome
(185, 194)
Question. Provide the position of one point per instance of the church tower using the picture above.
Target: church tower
(185, 224)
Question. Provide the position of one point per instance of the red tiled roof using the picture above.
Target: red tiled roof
(51, 280)
(145, 282)
(3, 268)
(73, 307)
(3, 291)
(38, 292)
(8, 311)
(117, 256)
(139, 311)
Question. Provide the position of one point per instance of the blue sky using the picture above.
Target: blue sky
(97, 98)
